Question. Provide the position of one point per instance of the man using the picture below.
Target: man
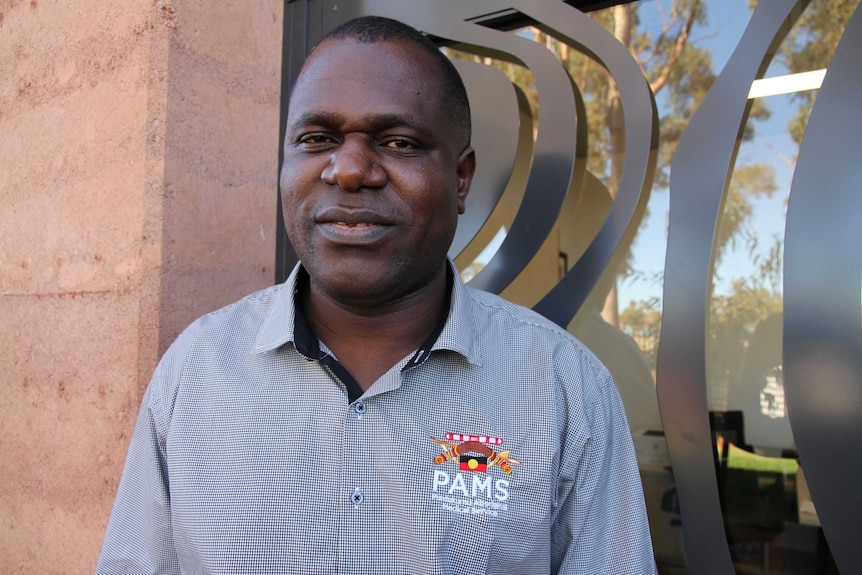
(372, 414)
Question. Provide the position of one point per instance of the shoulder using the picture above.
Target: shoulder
(542, 365)
(523, 331)
(497, 309)
(214, 338)
(241, 315)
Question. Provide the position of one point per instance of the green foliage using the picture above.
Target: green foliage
(680, 73)
(748, 303)
(641, 315)
(809, 46)
(642, 321)
(748, 182)
(670, 64)
(732, 321)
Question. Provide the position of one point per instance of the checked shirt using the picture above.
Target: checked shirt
(502, 448)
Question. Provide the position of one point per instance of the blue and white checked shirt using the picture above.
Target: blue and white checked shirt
(504, 449)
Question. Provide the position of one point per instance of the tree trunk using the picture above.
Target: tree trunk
(616, 128)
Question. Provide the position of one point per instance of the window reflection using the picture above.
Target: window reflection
(772, 525)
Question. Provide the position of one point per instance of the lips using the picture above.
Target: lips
(353, 227)
(352, 217)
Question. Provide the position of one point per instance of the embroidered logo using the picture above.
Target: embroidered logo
(476, 492)
(473, 453)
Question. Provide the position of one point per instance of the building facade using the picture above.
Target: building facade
(675, 182)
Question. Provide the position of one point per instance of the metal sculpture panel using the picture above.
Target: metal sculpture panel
(698, 184)
(823, 319)
(823, 314)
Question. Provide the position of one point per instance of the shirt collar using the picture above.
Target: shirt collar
(458, 334)
(280, 325)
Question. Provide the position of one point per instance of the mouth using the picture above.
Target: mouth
(353, 227)
(352, 217)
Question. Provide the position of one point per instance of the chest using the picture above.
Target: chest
(429, 474)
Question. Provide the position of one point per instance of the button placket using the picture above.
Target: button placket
(360, 408)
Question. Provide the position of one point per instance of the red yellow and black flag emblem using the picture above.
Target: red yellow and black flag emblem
(473, 463)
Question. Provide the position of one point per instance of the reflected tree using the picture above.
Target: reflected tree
(809, 46)
(680, 72)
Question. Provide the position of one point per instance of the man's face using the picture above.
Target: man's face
(374, 176)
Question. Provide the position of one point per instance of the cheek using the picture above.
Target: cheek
(436, 217)
(289, 198)
(292, 214)
(299, 172)
(295, 191)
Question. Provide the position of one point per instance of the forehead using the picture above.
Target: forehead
(387, 77)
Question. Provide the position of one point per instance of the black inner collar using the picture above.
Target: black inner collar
(308, 344)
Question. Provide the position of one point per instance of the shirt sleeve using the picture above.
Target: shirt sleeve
(601, 524)
(138, 540)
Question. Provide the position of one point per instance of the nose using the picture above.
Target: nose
(353, 166)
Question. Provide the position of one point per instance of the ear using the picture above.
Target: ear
(465, 169)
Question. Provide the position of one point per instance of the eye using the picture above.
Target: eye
(315, 141)
(399, 144)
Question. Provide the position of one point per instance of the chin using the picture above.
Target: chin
(356, 283)
(359, 296)
(375, 280)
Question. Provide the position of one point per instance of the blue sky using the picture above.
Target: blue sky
(727, 20)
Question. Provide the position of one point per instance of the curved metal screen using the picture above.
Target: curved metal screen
(546, 161)
(699, 180)
(823, 282)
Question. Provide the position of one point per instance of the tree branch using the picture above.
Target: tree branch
(679, 46)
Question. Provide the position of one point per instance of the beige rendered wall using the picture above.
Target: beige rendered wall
(138, 173)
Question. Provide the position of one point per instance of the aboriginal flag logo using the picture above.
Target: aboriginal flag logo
(473, 463)
(473, 453)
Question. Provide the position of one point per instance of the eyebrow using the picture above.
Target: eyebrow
(379, 122)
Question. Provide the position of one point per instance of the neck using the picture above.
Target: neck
(369, 341)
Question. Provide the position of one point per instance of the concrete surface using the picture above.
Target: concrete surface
(138, 181)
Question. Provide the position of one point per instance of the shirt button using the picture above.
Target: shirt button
(360, 407)
(357, 498)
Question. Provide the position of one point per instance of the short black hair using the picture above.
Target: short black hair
(373, 29)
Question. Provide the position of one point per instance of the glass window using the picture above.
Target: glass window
(681, 47)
